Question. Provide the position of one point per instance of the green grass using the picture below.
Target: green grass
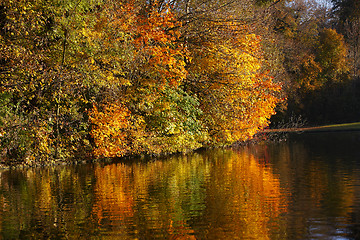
(335, 127)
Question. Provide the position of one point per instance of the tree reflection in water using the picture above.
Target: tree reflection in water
(217, 195)
(275, 191)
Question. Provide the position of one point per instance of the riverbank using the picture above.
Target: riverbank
(326, 128)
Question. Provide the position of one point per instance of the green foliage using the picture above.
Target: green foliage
(174, 124)
(39, 45)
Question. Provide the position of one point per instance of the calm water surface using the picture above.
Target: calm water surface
(305, 188)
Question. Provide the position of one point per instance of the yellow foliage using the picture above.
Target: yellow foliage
(237, 97)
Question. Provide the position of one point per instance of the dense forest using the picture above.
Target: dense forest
(85, 79)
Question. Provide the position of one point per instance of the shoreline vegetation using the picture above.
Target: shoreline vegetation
(90, 80)
(108, 79)
(315, 129)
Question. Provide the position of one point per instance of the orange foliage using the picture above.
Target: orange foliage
(109, 130)
(155, 44)
(236, 96)
(153, 64)
(309, 75)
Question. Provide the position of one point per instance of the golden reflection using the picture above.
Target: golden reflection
(232, 191)
(149, 196)
(217, 194)
(115, 193)
(248, 200)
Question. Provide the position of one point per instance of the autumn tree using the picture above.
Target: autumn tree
(315, 59)
(347, 16)
(44, 88)
(162, 117)
(331, 54)
(236, 95)
(133, 77)
(178, 92)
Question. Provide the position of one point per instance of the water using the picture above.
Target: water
(305, 188)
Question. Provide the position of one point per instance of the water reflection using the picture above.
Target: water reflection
(321, 171)
(291, 190)
(218, 195)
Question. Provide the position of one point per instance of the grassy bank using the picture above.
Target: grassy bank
(326, 128)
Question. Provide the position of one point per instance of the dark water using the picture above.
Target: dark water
(305, 188)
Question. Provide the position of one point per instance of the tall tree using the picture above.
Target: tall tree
(236, 94)
(149, 113)
(347, 15)
(130, 77)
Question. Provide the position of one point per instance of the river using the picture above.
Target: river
(305, 188)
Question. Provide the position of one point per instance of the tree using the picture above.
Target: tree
(43, 83)
(129, 77)
(162, 117)
(332, 55)
(315, 58)
(225, 73)
(178, 105)
(347, 15)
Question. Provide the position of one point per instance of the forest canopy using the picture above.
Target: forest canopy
(105, 78)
